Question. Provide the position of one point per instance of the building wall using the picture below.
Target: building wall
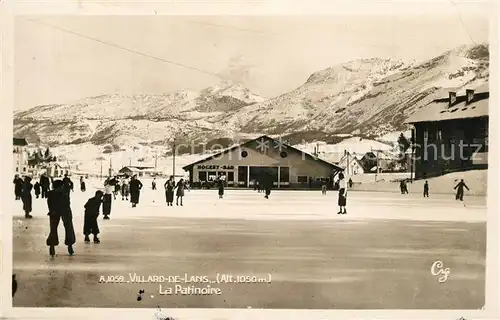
(353, 168)
(20, 161)
(298, 165)
(438, 148)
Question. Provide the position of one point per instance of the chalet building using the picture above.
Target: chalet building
(378, 160)
(246, 163)
(140, 171)
(451, 134)
(20, 156)
(351, 163)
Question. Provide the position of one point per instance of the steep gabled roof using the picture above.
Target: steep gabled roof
(439, 110)
(246, 144)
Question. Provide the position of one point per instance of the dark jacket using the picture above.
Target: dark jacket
(92, 206)
(58, 203)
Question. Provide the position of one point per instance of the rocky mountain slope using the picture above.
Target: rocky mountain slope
(368, 97)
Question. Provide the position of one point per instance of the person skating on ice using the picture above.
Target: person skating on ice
(37, 189)
(323, 188)
(83, 188)
(426, 189)
(169, 190)
(220, 186)
(60, 208)
(460, 190)
(18, 186)
(68, 184)
(179, 192)
(342, 201)
(153, 184)
(90, 225)
(45, 184)
(135, 190)
(27, 198)
(125, 189)
(107, 199)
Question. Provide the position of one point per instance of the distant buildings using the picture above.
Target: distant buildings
(20, 156)
(451, 134)
(351, 163)
(137, 170)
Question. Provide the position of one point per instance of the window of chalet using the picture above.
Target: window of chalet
(302, 179)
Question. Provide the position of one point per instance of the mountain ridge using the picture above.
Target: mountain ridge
(368, 97)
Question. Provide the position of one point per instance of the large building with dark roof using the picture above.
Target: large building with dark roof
(20, 156)
(451, 134)
(245, 164)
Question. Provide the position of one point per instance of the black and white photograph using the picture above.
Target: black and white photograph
(309, 162)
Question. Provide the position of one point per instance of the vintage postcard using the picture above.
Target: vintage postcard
(257, 161)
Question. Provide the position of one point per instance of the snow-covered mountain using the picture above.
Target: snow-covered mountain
(368, 97)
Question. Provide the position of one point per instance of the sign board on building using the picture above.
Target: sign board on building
(215, 167)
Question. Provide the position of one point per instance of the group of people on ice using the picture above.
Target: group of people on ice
(459, 194)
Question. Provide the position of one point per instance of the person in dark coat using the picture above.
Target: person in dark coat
(27, 198)
(220, 186)
(350, 183)
(68, 184)
(267, 184)
(169, 190)
(180, 192)
(153, 184)
(135, 191)
(342, 202)
(45, 184)
(37, 188)
(83, 187)
(460, 190)
(18, 187)
(90, 225)
(14, 285)
(60, 208)
(323, 187)
(426, 189)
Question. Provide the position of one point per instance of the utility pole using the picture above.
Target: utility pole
(378, 167)
(347, 162)
(110, 167)
(101, 169)
(173, 159)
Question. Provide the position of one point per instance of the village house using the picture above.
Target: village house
(351, 163)
(20, 156)
(451, 134)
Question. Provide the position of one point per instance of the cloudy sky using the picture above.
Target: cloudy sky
(66, 58)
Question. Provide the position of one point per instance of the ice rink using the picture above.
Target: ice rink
(379, 255)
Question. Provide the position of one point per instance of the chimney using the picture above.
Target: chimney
(453, 98)
(469, 96)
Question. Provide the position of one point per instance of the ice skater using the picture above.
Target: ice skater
(18, 187)
(107, 199)
(135, 190)
(169, 190)
(342, 201)
(82, 184)
(220, 185)
(460, 190)
(426, 189)
(68, 184)
(90, 225)
(27, 198)
(125, 189)
(37, 188)
(323, 188)
(180, 192)
(45, 184)
(60, 208)
(267, 184)
(153, 184)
